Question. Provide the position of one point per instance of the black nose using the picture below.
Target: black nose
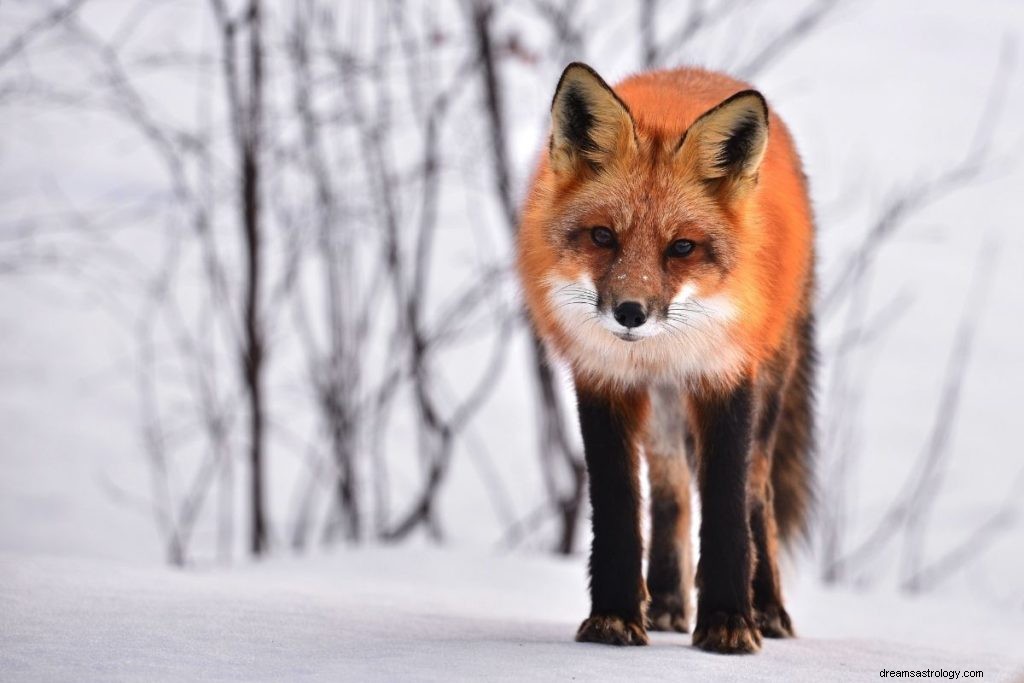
(630, 314)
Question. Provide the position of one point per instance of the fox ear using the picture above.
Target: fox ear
(726, 145)
(590, 125)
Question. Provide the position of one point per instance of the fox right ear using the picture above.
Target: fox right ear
(590, 125)
(726, 145)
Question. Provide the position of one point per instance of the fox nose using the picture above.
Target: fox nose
(630, 314)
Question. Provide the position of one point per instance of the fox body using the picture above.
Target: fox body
(666, 254)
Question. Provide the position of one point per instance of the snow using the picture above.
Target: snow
(425, 614)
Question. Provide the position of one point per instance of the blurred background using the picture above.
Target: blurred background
(256, 294)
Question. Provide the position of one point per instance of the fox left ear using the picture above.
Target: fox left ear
(726, 145)
(590, 125)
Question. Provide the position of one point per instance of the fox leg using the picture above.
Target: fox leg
(772, 618)
(670, 556)
(611, 430)
(723, 426)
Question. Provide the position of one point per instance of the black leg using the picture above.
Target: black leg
(723, 426)
(617, 592)
(772, 619)
(669, 565)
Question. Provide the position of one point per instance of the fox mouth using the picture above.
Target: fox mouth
(627, 336)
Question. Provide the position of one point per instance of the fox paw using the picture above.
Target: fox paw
(727, 633)
(773, 621)
(611, 630)
(663, 617)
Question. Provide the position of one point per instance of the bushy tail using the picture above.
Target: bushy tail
(792, 461)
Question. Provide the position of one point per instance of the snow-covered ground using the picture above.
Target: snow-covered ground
(421, 614)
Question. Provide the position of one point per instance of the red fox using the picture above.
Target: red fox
(666, 254)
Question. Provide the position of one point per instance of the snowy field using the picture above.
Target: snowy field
(396, 615)
(880, 95)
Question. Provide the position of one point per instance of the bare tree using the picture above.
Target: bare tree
(848, 286)
(245, 106)
(554, 448)
(334, 372)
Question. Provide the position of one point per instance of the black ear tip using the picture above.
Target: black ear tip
(753, 96)
(573, 66)
(575, 70)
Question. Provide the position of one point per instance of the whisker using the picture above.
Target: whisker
(680, 319)
(700, 308)
(671, 328)
(587, 321)
(575, 302)
(685, 307)
(572, 285)
(578, 288)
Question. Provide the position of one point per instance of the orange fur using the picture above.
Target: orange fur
(649, 189)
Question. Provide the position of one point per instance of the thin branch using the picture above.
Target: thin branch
(54, 17)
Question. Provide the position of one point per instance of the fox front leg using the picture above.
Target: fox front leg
(725, 619)
(618, 596)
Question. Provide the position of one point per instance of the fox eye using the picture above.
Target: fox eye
(602, 236)
(681, 248)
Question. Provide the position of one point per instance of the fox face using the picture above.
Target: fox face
(643, 234)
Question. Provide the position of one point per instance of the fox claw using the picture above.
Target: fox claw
(774, 622)
(611, 630)
(727, 634)
(660, 618)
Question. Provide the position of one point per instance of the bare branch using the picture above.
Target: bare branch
(54, 17)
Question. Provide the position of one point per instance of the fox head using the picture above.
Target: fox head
(642, 225)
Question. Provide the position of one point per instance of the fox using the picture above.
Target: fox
(666, 257)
